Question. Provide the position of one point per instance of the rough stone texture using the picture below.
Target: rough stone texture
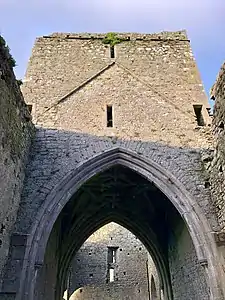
(215, 161)
(55, 153)
(152, 86)
(15, 137)
(184, 264)
(70, 80)
(89, 277)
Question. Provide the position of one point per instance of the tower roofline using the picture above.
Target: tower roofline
(164, 35)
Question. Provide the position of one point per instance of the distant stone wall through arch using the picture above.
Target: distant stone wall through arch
(112, 247)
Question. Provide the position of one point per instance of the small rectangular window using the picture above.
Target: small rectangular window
(112, 251)
(198, 114)
(109, 116)
(112, 51)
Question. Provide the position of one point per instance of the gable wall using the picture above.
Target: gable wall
(152, 86)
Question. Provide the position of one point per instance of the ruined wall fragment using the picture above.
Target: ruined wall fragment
(16, 130)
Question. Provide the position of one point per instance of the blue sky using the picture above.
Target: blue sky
(21, 21)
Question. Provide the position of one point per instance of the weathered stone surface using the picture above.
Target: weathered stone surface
(151, 80)
(133, 267)
(15, 136)
(217, 165)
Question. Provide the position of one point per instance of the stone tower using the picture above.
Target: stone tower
(122, 135)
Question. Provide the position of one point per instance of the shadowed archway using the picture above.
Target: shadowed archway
(67, 213)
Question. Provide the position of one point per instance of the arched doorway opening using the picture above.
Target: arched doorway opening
(137, 195)
(111, 264)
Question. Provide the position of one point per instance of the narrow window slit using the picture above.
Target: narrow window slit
(112, 51)
(112, 251)
(198, 114)
(109, 116)
(112, 259)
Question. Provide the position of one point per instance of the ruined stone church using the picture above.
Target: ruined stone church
(111, 171)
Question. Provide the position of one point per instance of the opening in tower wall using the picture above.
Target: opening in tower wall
(112, 51)
(109, 110)
(198, 114)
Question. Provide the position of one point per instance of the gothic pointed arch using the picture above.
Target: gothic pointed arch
(186, 206)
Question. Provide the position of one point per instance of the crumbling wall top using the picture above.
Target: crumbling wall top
(165, 35)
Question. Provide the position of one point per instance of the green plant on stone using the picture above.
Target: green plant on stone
(112, 39)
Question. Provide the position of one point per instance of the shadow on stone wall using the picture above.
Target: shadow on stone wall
(57, 153)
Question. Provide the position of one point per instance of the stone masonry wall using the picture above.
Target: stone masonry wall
(187, 274)
(71, 78)
(15, 137)
(156, 121)
(133, 269)
(215, 161)
(56, 153)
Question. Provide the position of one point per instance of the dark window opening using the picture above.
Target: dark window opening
(112, 251)
(109, 116)
(207, 184)
(198, 114)
(112, 52)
